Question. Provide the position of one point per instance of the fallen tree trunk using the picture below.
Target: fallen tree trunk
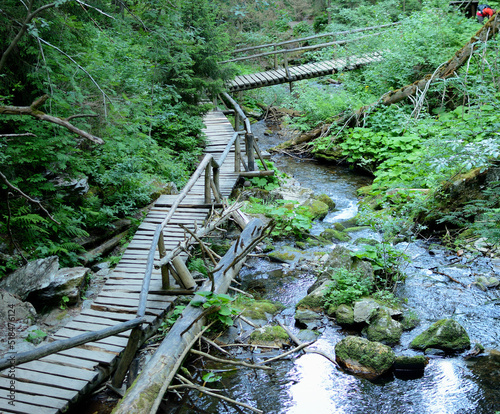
(147, 390)
(487, 32)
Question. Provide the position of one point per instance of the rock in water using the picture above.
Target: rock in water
(445, 334)
(362, 357)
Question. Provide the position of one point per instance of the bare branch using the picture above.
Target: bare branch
(27, 197)
(26, 134)
(95, 8)
(33, 111)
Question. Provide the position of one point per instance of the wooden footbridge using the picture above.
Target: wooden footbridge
(104, 338)
(290, 49)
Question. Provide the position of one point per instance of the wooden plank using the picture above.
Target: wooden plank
(40, 389)
(151, 304)
(60, 370)
(24, 408)
(125, 309)
(40, 401)
(53, 380)
(117, 341)
(102, 357)
(70, 361)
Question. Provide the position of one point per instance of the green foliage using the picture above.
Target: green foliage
(270, 182)
(170, 319)
(36, 336)
(387, 263)
(197, 265)
(347, 287)
(221, 304)
(289, 219)
(211, 377)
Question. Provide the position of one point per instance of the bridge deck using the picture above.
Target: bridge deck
(53, 383)
(307, 71)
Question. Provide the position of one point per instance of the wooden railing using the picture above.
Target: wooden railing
(285, 52)
(210, 168)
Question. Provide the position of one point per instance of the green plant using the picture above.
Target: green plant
(64, 302)
(170, 319)
(211, 377)
(269, 182)
(36, 336)
(218, 307)
(386, 261)
(346, 287)
(197, 265)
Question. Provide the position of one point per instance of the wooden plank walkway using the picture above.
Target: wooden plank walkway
(53, 383)
(308, 71)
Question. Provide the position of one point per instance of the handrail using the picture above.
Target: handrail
(297, 49)
(303, 39)
(62, 344)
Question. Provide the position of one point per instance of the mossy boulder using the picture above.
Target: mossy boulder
(317, 208)
(315, 299)
(269, 335)
(445, 334)
(285, 254)
(258, 309)
(333, 234)
(307, 319)
(327, 200)
(384, 329)
(354, 229)
(344, 315)
(365, 240)
(365, 358)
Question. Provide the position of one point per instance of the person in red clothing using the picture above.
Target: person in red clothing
(483, 10)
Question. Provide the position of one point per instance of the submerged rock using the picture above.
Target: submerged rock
(410, 367)
(365, 358)
(445, 334)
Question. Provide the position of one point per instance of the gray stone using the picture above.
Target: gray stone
(315, 299)
(13, 309)
(308, 318)
(364, 310)
(34, 276)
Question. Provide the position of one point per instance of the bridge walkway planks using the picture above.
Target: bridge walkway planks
(55, 382)
(307, 71)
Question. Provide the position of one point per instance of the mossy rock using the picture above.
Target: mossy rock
(301, 245)
(315, 299)
(445, 334)
(410, 320)
(258, 309)
(344, 315)
(221, 246)
(384, 329)
(363, 357)
(364, 191)
(354, 229)
(312, 242)
(410, 362)
(333, 154)
(332, 234)
(327, 200)
(286, 255)
(317, 208)
(364, 240)
(269, 335)
(338, 226)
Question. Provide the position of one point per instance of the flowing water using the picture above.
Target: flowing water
(309, 383)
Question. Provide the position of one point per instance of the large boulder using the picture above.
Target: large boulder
(14, 310)
(365, 310)
(384, 329)
(445, 334)
(344, 315)
(317, 208)
(41, 283)
(365, 358)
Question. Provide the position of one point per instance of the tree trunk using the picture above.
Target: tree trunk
(148, 389)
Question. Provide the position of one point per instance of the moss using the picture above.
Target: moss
(445, 334)
(269, 334)
(317, 208)
(364, 240)
(411, 362)
(356, 228)
(327, 200)
(369, 354)
(364, 191)
(301, 245)
(332, 234)
(257, 309)
(338, 226)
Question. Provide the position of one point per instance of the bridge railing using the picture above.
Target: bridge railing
(281, 48)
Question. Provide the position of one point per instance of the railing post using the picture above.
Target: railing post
(237, 155)
(216, 172)
(285, 61)
(127, 356)
(165, 280)
(236, 121)
(249, 149)
(275, 57)
(208, 196)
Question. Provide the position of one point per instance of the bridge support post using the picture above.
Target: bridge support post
(237, 155)
(250, 153)
(165, 281)
(127, 356)
(208, 196)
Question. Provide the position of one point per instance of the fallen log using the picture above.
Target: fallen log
(145, 394)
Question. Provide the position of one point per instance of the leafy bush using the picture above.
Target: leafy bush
(221, 306)
(347, 287)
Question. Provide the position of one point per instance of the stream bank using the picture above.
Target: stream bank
(309, 382)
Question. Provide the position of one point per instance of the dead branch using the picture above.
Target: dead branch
(292, 351)
(33, 111)
(189, 384)
(227, 361)
(27, 197)
(212, 343)
(26, 134)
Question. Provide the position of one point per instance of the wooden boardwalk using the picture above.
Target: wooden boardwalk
(296, 73)
(53, 383)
